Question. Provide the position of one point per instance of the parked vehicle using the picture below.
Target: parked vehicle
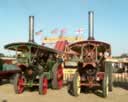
(92, 70)
(39, 65)
(7, 68)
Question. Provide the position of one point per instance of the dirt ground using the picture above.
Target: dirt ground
(7, 93)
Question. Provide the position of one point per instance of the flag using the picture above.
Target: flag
(80, 31)
(39, 32)
(55, 31)
(63, 31)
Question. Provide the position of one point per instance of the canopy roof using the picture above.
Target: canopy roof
(78, 45)
(26, 46)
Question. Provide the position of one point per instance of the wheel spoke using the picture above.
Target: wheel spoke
(45, 85)
(60, 76)
(20, 84)
(78, 85)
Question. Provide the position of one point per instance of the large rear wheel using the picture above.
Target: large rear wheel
(105, 84)
(76, 84)
(19, 81)
(43, 85)
(57, 81)
(110, 80)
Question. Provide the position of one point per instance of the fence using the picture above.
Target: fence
(118, 76)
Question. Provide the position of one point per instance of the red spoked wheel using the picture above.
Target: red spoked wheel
(57, 81)
(43, 85)
(60, 76)
(19, 83)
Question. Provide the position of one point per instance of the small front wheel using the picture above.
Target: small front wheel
(57, 81)
(19, 81)
(43, 85)
(76, 84)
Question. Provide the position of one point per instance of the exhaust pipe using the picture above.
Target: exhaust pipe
(90, 25)
(31, 28)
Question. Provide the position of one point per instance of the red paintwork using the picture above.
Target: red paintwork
(45, 85)
(100, 75)
(60, 76)
(20, 84)
(7, 74)
(8, 61)
(90, 85)
(89, 41)
(60, 45)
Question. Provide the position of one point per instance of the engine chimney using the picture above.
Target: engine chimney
(31, 28)
(90, 25)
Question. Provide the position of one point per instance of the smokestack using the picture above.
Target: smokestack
(31, 28)
(90, 25)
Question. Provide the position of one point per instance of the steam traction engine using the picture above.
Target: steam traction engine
(91, 69)
(39, 65)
